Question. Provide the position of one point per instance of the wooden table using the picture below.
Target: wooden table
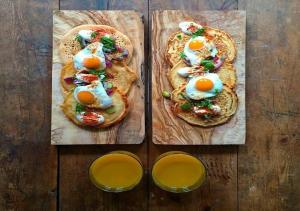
(262, 175)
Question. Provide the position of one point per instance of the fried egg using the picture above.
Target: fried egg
(199, 48)
(91, 57)
(204, 86)
(93, 95)
(188, 27)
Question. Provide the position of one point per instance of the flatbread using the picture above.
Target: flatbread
(227, 100)
(226, 73)
(69, 46)
(223, 41)
(119, 101)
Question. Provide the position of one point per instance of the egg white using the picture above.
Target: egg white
(185, 25)
(86, 34)
(193, 93)
(102, 101)
(92, 50)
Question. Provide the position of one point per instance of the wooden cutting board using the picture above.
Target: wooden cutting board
(131, 130)
(166, 127)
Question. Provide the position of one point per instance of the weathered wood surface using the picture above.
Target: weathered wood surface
(167, 127)
(221, 187)
(131, 130)
(268, 165)
(78, 193)
(28, 164)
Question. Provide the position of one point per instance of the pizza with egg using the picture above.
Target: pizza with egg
(96, 78)
(202, 74)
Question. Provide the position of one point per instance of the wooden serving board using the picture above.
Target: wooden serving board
(129, 131)
(169, 129)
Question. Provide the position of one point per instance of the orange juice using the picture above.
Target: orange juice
(178, 172)
(116, 171)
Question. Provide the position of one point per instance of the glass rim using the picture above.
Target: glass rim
(116, 190)
(179, 190)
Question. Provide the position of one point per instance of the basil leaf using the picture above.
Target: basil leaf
(179, 36)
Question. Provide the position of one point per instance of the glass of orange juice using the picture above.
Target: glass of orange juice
(178, 172)
(116, 171)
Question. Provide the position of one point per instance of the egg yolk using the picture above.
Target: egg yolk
(196, 45)
(91, 62)
(204, 84)
(85, 97)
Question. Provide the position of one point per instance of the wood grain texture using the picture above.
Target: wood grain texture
(28, 164)
(220, 190)
(169, 129)
(129, 131)
(268, 165)
(78, 193)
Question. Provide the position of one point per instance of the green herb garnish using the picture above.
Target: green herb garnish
(166, 94)
(208, 64)
(186, 106)
(79, 108)
(205, 103)
(100, 73)
(199, 32)
(108, 44)
(110, 110)
(182, 55)
(79, 39)
(179, 36)
(94, 34)
(217, 91)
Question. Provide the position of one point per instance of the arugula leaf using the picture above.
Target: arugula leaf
(199, 32)
(79, 108)
(182, 55)
(186, 106)
(108, 44)
(205, 103)
(79, 39)
(208, 64)
(100, 73)
(94, 34)
(179, 36)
